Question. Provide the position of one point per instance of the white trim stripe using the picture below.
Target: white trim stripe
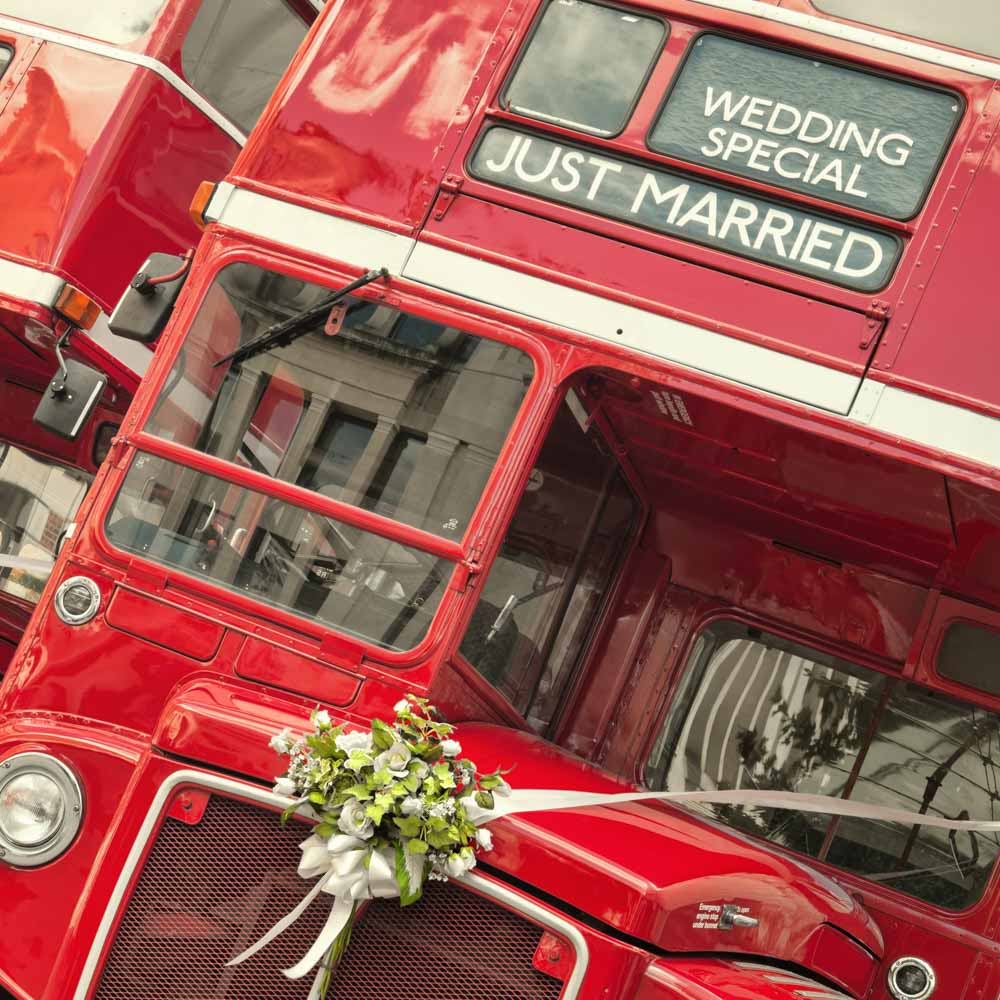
(124, 55)
(21, 281)
(862, 36)
(908, 416)
(307, 229)
(932, 423)
(254, 793)
(643, 331)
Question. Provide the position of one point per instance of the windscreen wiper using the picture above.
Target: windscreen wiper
(283, 333)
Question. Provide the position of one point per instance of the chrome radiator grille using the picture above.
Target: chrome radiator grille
(209, 890)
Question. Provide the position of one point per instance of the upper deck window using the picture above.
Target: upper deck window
(758, 711)
(971, 24)
(236, 52)
(584, 66)
(377, 408)
(119, 23)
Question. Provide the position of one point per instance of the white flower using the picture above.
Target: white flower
(411, 806)
(503, 789)
(282, 742)
(354, 821)
(466, 774)
(284, 786)
(401, 706)
(395, 759)
(443, 810)
(458, 864)
(451, 748)
(321, 719)
(419, 768)
(484, 839)
(353, 741)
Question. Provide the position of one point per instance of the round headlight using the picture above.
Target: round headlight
(77, 600)
(911, 979)
(41, 807)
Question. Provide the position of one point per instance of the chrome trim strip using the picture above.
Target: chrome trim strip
(124, 55)
(255, 793)
(862, 36)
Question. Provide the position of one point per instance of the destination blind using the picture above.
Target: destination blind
(831, 131)
(679, 205)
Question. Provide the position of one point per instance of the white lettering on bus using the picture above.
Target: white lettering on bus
(807, 127)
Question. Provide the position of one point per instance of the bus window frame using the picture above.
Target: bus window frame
(895, 902)
(837, 209)
(507, 78)
(601, 620)
(463, 553)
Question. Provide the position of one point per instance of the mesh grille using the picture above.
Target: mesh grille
(208, 891)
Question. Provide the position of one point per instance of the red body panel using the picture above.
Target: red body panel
(857, 543)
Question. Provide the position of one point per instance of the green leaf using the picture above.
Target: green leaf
(375, 813)
(484, 800)
(358, 792)
(416, 846)
(324, 830)
(383, 736)
(409, 826)
(444, 775)
(439, 839)
(411, 783)
(317, 798)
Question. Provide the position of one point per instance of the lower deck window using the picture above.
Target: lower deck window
(756, 711)
(277, 553)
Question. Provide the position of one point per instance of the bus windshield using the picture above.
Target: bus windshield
(375, 407)
(760, 712)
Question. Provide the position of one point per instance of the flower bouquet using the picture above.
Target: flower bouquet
(396, 806)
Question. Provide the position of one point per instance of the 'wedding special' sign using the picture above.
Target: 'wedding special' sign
(687, 207)
(837, 133)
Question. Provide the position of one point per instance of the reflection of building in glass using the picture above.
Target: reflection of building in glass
(37, 500)
(763, 713)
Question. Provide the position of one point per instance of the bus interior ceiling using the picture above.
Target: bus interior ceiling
(829, 540)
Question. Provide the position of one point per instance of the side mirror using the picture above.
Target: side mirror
(143, 311)
(70, 397)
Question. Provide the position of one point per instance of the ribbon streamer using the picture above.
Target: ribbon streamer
(340, 860)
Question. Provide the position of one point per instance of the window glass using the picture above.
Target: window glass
(37, 500)
(967, 24)
(970, 654)
(237, 51)
(372, 414)
(283, 555)
(584, 66)
(109, 21)
(546, 586)
(759, 712)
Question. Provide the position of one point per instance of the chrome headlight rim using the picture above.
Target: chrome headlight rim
(33, 762)
(898, 966)
(76, 617)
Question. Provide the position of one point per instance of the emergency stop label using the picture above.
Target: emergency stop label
(854, 138)
(693, 209)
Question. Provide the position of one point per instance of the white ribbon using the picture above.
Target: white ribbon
(340, 860)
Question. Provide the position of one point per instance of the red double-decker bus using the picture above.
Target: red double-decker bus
(110, 114)
(619, 376)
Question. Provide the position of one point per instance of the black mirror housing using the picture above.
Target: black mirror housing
(144, 309)
(70, 398)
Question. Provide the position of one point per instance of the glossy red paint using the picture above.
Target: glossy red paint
(758, 510)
